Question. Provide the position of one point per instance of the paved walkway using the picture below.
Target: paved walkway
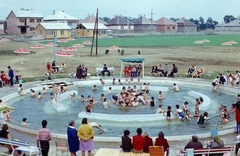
(174, 145)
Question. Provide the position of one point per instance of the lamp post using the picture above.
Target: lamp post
(55, 40)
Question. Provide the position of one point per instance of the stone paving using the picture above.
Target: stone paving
(174, 145)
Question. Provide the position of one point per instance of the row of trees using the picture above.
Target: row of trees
(201, 23)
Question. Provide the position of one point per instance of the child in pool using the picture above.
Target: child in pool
(224, 115)
(169, 111)
(51, 95)
(40, 95)
(126, 81)
(73, 95)
(102, 82)
(20, 90)
(139, 80)
(188, 115)
(109, 90)
(197, 102)
(131, 81)
(113, 82)
(94, 88)
(152, 102)
(119, 82)
(83, 99)
(159, 110)
(185, 106)
(196, 112)
(175, 87)
(32, 93)
(179, 112)
(44, 90)
(160, 96)
(106, 103)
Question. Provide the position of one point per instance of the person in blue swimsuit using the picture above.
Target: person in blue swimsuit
(179, 112)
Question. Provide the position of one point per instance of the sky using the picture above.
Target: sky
(216, 9)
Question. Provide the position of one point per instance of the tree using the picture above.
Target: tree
(104, 18)
(173, 19)
(201, 24)
(130, 18)
(228, 18)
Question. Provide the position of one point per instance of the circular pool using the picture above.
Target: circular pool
(35, 110)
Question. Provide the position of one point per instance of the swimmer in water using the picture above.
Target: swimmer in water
(44, 90)
(51, 95)
(159, 110)
(202, 118)
(102, 82)
(119, 82)
(169, 111)
(196, 112)
(83, 99)
(96, 125)
(215, 83)
(179, 112)
(73, 95)
(175, 87)
(160, 96)
(32, 93)
(40, 95)
(185, 106)
(113, 82)
(94, 88)
(109, 90)
(188, 115)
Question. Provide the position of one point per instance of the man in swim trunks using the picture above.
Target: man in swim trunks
(127, 99)
(89, 106)
(56, 88)
(215, 83)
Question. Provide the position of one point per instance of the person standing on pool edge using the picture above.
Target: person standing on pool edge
(11, 75)
(43, 137)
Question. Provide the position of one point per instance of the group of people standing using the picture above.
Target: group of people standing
(132, 71)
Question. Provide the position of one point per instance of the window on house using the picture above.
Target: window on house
(122, 27)
(21, 20)
(40, 32)
(32, 28)
(31, 20)
(168, 27)
(173, 27)
(53, 32)
(38, 20)
(62, 32)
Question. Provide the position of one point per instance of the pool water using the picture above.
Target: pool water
(35, 110)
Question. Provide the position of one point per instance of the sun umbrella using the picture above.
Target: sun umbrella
(21, 51)
(5, 39)
(205, 40)
(62, 40)
(69, 49)
(87, 42)
(113, 48)
(37, 46)
(232, 42)
(78, 45)
(50, 44)
(70, 39)
(226, 44)
(64, 54)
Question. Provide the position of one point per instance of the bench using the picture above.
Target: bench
(21, 146)
(117, 152)
(207, 151)
(111, 69)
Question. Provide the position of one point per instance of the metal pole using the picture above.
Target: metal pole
(55, 40)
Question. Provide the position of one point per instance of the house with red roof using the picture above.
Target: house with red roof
(165, 25)
(119, 24)
(185, 26)
(142, 24)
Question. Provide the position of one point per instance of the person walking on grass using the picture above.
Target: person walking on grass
(11, 76)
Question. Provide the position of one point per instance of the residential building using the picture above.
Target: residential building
(23, 21)
(142, 24)
(233, 26)
(47, 30)
(164, 25)
(62, 17)
(119, 24)
(186, 26)
(86, 27)
(2, 27)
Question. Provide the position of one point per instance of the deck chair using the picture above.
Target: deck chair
(61, 146)
(156, 151)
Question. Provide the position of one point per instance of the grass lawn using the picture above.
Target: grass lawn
(165, 40)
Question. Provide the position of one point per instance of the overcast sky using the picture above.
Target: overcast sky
(216, 9)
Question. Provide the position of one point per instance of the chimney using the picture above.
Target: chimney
(53, 12)
(62, 10)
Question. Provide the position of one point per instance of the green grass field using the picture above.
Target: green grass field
(165, 40)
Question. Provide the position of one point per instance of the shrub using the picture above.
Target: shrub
(106, 52)
(139, 53)
(122, 51)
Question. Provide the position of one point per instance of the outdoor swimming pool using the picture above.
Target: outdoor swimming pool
(35, 110)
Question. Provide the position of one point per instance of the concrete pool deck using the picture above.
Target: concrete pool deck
(229, 139)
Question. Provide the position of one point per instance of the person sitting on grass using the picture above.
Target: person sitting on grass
(191, 70)
(174, 70)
